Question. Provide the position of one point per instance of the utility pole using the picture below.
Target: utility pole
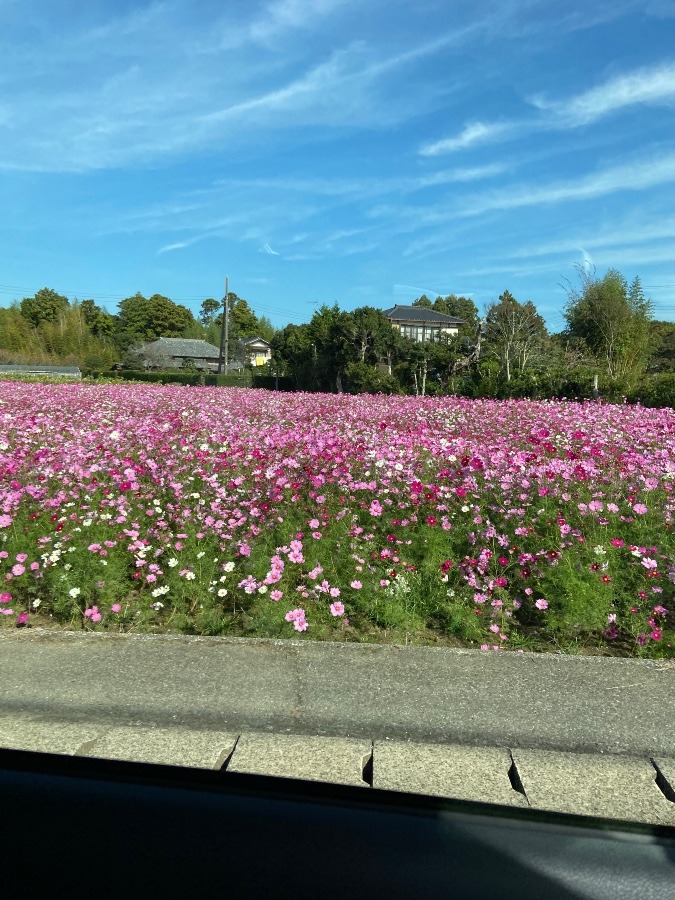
(224, 336)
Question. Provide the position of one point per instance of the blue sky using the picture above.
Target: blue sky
(325, 150)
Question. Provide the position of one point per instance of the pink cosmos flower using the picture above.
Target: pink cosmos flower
(116, 607)
(640, 509)
(5, 521)
(18, 569)
(22, 618)
(541, 603)
(21, 557)
(5, 597)
(337, 608)
(356, 585)
(276, 595)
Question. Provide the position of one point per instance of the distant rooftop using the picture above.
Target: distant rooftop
(420, 314)
(187, 347)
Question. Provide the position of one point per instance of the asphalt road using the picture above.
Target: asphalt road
(430, 695)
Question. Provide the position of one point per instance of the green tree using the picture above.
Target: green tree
(243, 321)
(612, 320)
(45, 306)
(209, 309)
(147, 319)
(265, 329)
(100, 322)
(370, 333)
(423, 301)
(662, 346)
(515, 334)
(16, 334)
(294, 354)
(461, 308)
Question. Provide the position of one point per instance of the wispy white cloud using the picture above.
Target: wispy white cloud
(290, 15)
(635, 176)
(471, 134)
(654, 85)
(408, 289)
(621, 232)
(181, 245)
(650, 85)
(268, 250)
(586, 260)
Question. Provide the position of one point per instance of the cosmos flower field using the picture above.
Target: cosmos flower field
(497, 525)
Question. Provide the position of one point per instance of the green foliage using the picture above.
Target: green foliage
(361, 378)
(656, 391)
(243, 321)
(515, 335)
(613, 321)
(45, 306)
(149, 319)
(16, 334)
(209, 379)
(272, 382)
(99, 321)
(209, 310)
(662, 347)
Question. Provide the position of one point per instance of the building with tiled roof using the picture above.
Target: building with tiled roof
(419, 323)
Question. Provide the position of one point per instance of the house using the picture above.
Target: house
(255, 351)
(419, 323)
(174, 353)
(36, 371)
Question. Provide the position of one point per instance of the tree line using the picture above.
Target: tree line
(610, 337)
(50, 328)
(506, 352)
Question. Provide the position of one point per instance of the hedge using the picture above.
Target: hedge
(210, 379)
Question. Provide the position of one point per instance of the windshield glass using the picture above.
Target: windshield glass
(337, 375)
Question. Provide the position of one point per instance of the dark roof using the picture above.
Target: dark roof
(186, 347)
(37, 369)
(420, 314)
(254, 340)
